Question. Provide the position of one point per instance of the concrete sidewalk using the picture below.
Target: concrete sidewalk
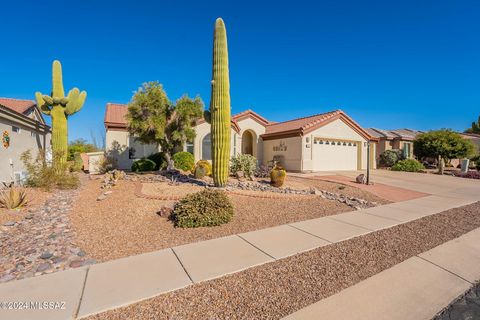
(117, 283)
(417, 288)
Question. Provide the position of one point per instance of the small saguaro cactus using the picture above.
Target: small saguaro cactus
(60, 108)
(219, 115)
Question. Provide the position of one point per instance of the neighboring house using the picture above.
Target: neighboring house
(323, 142)
(401, 139)
(22, 124)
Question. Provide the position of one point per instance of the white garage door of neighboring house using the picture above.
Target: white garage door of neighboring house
(331, 155)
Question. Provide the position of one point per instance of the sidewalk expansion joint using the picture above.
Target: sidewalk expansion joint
(75, 315)
(438, 266)
(256, 247)
(184, 269)
(352, 224)
(330, 242)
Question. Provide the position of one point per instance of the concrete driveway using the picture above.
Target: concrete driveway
(428, 183)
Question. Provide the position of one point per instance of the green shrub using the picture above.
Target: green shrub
(476, 159)
(389, 157)
(143, 165)
(202, 168)
(159, 159)
(184, 161)
(410, 165)
(203, 209)
(245, 163)
(47, 175)
(77, 162)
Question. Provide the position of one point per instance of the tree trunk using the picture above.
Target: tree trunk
(441, 165)
(170, 164)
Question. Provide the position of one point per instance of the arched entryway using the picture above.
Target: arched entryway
(249, 143)
(207, 147)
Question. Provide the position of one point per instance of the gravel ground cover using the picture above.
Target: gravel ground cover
(277, 289)
(296, 182)
(168, 190)
(36, 198)
(123, 224)
(42, 242)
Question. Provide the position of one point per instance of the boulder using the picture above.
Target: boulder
(361, 178)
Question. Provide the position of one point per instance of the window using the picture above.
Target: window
(131, 153)
(206, 148)
(189, 147)
(16, 129)
(406, 150)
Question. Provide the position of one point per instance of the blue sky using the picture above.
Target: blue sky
(388, 64)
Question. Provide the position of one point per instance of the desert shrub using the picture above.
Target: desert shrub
(107, 163)
(245, 163)
(142, 165)
(77, 163)
(410, 165)
(159, 159)
(13, 197)
(80, 146)
(277, 176)
(476, 160)
(202, 168)
(203, 209)
(184, 161)
(263, 171)
(389, 157)
(48, 174)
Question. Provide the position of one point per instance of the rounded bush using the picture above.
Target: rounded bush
(245, 163)
(159, 159)
(409, 165)
(143, 165)
(389, 157)
(184, 161)
(202, 168)
(203, 209)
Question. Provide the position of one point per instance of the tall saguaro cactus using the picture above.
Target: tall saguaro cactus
(60, 108)
(220, 106)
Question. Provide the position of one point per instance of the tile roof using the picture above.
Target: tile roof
(250, 114)
(17, 105)
(300, 124)
(115, 115)
(402, 134)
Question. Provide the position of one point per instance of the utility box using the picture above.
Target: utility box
(464, 165)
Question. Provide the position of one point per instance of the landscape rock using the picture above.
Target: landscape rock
(101, 197)
(361, 178)
(43, 242)
(9, 223)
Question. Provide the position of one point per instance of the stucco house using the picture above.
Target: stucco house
(401, 139)
(22, 128)
(322, 142)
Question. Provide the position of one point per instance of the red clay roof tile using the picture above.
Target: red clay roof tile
(17, 105)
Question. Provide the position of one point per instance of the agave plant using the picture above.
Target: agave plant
(12, 198)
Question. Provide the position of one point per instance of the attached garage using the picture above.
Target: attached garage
(329, 154)
(330, 141)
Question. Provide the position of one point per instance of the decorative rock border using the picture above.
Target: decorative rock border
(355, 203)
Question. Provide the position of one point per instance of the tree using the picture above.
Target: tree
(442, 145)
(152, 118)
(475, 127)
(80, 146)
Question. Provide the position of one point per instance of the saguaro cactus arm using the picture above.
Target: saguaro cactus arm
(75, 101)
(42, 105)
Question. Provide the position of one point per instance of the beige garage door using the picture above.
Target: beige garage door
(329, 155)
